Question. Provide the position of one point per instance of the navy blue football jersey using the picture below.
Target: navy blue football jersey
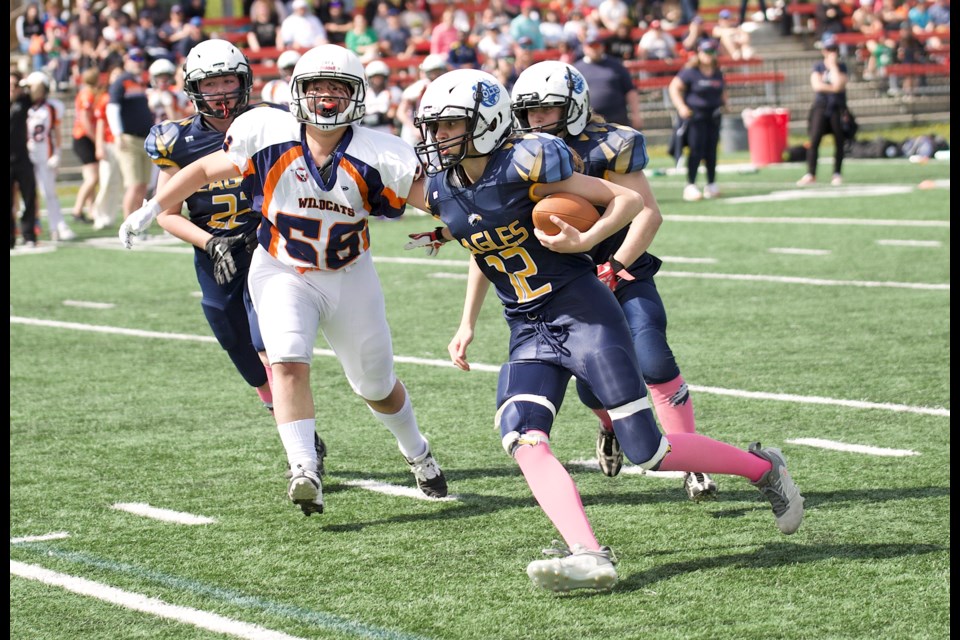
(611, 148)
(221, 208)
(493, 219)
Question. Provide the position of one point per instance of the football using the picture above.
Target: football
(569, 207)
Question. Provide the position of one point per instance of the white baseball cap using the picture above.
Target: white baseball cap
(36, 77)
(300, 4)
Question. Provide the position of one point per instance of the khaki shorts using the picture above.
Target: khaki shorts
(135, 164)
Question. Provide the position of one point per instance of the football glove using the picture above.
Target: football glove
(612, 272)
(138, 222)
(219, 249)
(53, 162)
(429, 240)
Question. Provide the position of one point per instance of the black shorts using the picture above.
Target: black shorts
(85, 149)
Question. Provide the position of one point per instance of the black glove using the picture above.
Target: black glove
(251, 242)
(219, 248)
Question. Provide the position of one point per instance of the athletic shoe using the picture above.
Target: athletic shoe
(577, 568)
(64, 232)
(82, 218)
(609, 453)
(807, 179)
(711, 191)
(699, 486)
(836, 180)
(691, 193)
(306, 491)
(321, 448)
(429, 477)
(777, 486)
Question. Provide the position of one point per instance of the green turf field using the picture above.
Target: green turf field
(802, 319)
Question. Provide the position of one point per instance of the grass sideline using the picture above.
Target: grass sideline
(101, 414)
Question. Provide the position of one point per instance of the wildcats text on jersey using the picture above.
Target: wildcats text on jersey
(326, 205)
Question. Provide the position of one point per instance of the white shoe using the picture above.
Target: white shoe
(711, 191)
(429, 476)
(306, 491)
(577, 568)
(807, 179)
(836, 180)
(691, 193)
(64, 232)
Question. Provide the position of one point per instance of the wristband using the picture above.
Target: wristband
(619, 271)
(438, 232)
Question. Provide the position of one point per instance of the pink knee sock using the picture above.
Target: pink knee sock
(674, 406)
(265, 395)
(693, 452)
(556, 493)
(269, 371)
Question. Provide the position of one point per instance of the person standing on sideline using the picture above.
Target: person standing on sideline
(615, 97)
(482, 184)
(109, 198)
(829, 82)
(45, 143)
(319, 177)
(130, 118)
(21, 167)
(552, 97)
(84, 145)
(698, 93)
(222, 225)
(383, 99)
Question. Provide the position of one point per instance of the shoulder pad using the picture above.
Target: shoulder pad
(540, 157)
(624, 148)
(161, 140)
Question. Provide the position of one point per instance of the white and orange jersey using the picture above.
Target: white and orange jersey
(168, 104)
(276, 91)
(43, 120)
(310, 221)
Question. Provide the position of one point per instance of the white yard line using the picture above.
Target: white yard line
(852, 448)
(152, 606)
(396, 490)
(88, 305)
(167, 515)
(757, 395)
(852, 222)
(799, 252)
(910, 243)
(59, 535)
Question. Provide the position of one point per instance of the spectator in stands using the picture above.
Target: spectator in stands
(84, 35)
(84, 142)
(829, 82)
(418, 22)
(612, 13)
(59, 60)
(373, 9)
(30, 35)
(277, 90)
(910, 50)
(362, 39)
(698, 93)
(919, 16)
(688, 11)
(130, 120)
(264, 26)
(174, 29)
(696, 33)
(505, 68)
(940, 16)
(612, 92)
(504, 8)
(337, 21)
(194, 9)
(463, 54)
(620, 43)
(193, 36)
(382, 99)
(523, 50)
(494, 41)
(302, 30)
(21, 168)
(109, 198)
(551, 29)
(395, 38)
(431, 68)
(443, 34)
(117, 6)
(883, 52)
(866, 20)
(734, 41)
(157, 13)
(569, 49)
(656, 44)
(889, 15)
(527, 24)
(148, 37)
(829, 18)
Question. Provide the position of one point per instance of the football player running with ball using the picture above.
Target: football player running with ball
(318, 177)
(482, 184)
(553, 97)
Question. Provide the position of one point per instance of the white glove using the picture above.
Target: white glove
(138, 222)
(54, 161)
(429, 240)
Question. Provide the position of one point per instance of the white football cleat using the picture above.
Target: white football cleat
(576, 568)
(306, 491)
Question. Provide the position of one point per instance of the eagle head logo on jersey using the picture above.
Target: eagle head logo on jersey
(474, 219)
(301, 174)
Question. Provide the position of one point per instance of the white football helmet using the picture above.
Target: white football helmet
(328, 62)
(463, 93)
(210, 59)
(36, 78)
(434, 62)
(161, 67)
(287, 61)
(552, 83)
(377, 68)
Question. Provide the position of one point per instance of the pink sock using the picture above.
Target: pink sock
(676, 416)
(556, 493)
(265, 395)
(693, 452)
(269, 371)
(605, 420)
